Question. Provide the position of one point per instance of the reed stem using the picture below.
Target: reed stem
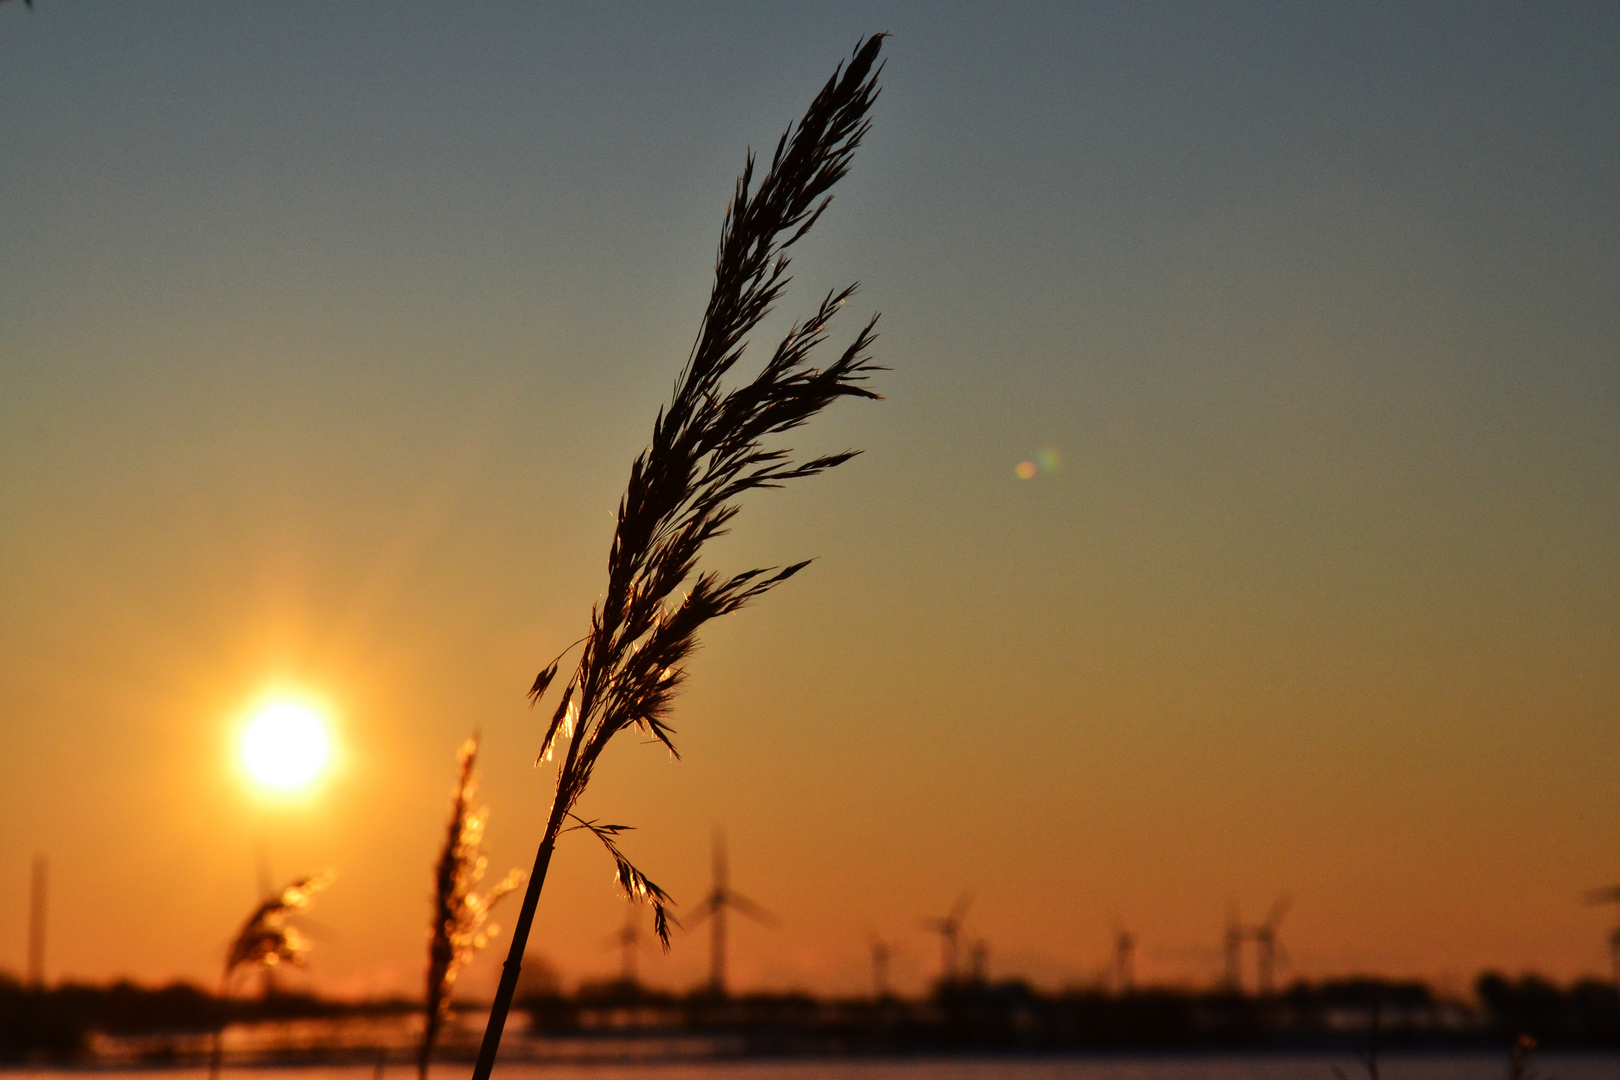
(708, 448)
(514, 953)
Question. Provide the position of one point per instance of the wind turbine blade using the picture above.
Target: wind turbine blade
(1200, 954)
(721, 870)
(752, 910)
(1278, 910)
(1610, 895)
(959, 910)
(700, 913)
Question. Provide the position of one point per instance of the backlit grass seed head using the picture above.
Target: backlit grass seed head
(459, 927)
(265, 939)
(710, 445)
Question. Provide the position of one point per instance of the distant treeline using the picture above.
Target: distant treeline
(56, 1023)
(1345, 1013)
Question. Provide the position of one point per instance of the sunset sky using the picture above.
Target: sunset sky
(1243, 518)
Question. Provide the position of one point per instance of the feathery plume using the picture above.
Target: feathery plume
(266, 941)
(709, 446)
(459, 925)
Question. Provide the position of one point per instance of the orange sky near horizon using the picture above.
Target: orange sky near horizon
(331, 333)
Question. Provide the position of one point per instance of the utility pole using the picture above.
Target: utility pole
(36, 924)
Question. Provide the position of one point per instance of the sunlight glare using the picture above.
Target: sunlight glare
(285, 745)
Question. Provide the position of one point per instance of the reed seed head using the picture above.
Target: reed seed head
(459, 927)
(265, 939)
(710, 445)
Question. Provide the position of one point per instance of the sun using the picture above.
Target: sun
(285, 746)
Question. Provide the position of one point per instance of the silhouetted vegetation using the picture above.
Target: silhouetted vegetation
(61, 1024)
(1586, 1013)
(710, 446)
(35, 1023)
(267, 941)
(56, 1024)
(458, 929)
(1362, 1015)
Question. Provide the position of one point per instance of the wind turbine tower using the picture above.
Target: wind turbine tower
(1124, 966)
(1232, 948)
(1270, 950)
(714, 907)
(881, 952)
(36, 923)
(979, 963)
(1610, 895)
(628, 940)
(949, 929)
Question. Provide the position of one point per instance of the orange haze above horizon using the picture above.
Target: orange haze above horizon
(1241, 521)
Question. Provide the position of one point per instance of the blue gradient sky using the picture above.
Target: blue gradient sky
(328, 334)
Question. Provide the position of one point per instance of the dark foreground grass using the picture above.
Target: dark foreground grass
(710, 445)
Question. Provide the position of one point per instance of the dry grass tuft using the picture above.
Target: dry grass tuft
(265, 939)
(710, 445)
(459, 927)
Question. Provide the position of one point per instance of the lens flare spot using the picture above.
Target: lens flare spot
(285, 745)
(1026, 470)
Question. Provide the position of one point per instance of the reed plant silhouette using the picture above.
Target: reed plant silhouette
(459, 927)
(710, 445)
(265, 941)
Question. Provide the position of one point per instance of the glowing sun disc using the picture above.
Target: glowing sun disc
(285, 745)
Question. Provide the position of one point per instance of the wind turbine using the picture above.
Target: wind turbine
(1610, 895)
(713, 907)
(36, 923)
(630, 939)
(882, 952)
(1270, 950)
(949, 929)
(1124, 967)
(979, 963)
(1232, 947)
